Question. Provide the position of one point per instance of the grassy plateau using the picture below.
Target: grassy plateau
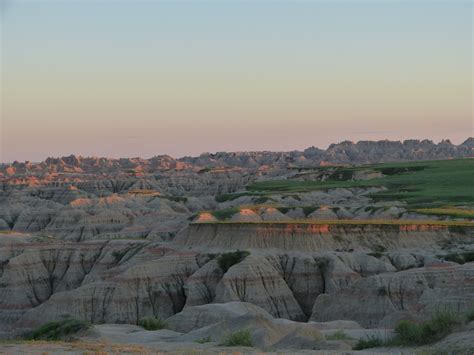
(443, 187)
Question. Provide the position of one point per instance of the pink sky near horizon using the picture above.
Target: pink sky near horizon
(124, 80)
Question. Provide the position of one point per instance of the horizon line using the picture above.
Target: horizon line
(78, 155)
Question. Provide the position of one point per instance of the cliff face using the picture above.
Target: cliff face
(307, 237)
(295, 271)
(98, 281)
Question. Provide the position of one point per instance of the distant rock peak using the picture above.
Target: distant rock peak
(345, 152)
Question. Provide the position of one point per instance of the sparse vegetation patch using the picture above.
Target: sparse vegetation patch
(376, 254)
(460, 258)
(204, 340)
(58, 330)
(152, 323)
(175, 198)
(225, 213)
(119, 254)
(339, 335)
(263, 199)
(372, 342)
(440, 325)
(227, 260)
(470, 315)
(447, 212)
(409, 333)
(309, 209)
(230, 197)
(239, 338)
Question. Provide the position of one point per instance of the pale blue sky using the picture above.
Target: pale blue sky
(123, 78)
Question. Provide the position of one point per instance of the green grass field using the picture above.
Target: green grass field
(447, 211)
(350, 222)
(424, 184)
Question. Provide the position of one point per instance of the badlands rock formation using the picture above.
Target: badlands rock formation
(347, 152)
(123, 280)
(111, 241)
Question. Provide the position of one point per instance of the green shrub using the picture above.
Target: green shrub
(227, 260)
(372, 342)
(204, 340)
(460, 258)
(175, 198)
(152, 323)
(322, 264)
(400, 170)
(377, 248)
(339, 335)
(440, 325)
(341, 174)
(225, 213)
(119, 254)
(382, 291)
(239, 338)
(470, 315)
(193, 216)
(283, 210)
(307, 210)
(447, 211)
(262, 199)
(454, 257)
(408, 333)
(230, 197)
(296, 197)
(58, 330)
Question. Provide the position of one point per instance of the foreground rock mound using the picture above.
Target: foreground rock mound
(216, 321)
(384, 299)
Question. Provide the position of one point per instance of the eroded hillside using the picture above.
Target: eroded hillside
(251, 241)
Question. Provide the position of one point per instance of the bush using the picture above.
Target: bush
(283, 210)
(377, 248)
(339, 335)
(372, 342)
(230, 197)
(239, 338)
(225, 213)
(175, 198)
(262, 199)
(152, 323)
(204, 340)
(307, 210)
(470, 315)
(119, 254)
(440, 325)
(227, 260)
(460, 258)
(408, 333)
(58, 330)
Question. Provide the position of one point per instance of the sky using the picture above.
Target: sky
(143, 78)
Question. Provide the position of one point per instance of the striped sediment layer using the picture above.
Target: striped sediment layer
(310, 236)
